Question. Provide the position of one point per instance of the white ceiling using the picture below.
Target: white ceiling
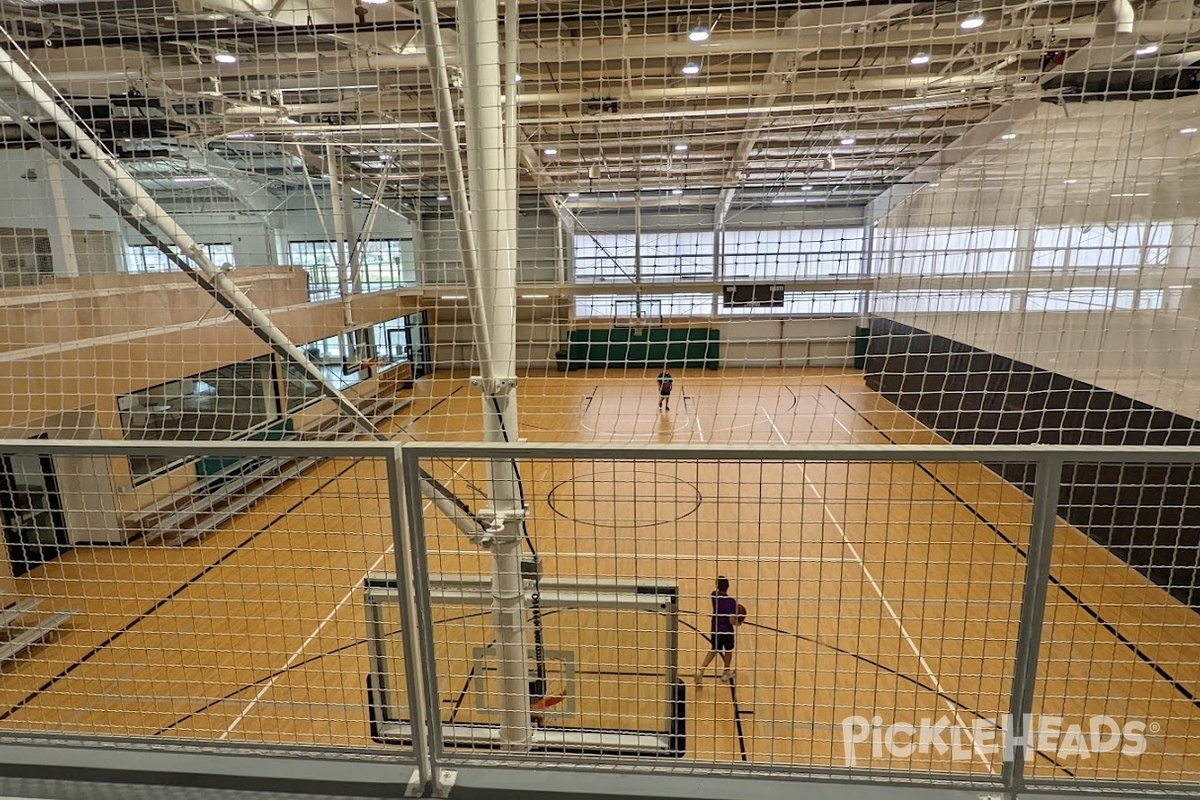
(782, 89)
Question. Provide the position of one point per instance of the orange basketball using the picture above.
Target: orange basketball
(741, 615)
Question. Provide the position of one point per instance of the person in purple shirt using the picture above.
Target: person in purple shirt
(726, 615)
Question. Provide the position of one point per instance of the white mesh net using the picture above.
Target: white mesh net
(767, 224)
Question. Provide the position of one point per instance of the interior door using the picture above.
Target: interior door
(35, 529)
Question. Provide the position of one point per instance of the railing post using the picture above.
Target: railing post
(1033, 615)
(401, 497)
(425, 661)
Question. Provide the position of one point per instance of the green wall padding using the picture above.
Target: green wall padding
(276, 431)
(652, 347)
(862, 338)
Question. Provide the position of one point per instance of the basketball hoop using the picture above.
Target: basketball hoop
(540, 706)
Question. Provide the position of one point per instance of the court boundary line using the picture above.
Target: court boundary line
(1110, 627)
(886, 603)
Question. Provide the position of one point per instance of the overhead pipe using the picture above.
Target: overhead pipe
(214, 279)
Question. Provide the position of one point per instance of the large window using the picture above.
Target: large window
(756, 255)
(1102, 247)
(660, 257)
(148, 258)
(381, 266)
(212, 405)
(746, 255)
(949, 251)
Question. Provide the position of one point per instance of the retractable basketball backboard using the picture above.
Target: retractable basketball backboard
(607, 678)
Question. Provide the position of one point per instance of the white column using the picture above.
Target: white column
(493, 207)
(62, 245)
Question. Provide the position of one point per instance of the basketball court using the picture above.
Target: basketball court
(874, 590)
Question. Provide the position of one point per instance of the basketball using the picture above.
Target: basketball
(741, 615)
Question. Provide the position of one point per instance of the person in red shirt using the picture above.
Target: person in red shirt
(727, 614)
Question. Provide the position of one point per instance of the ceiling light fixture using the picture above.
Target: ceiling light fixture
(1146, 50)
(443, 199)
(572, 195)
(223, 57)
(1070, 181)
(681, 148)
(700, 33)
(376, 2)
(691, 68)
(848, 140)
(972, 22)
(550, 151)
(1008, 136)
(1188, 131)
(806, 187)
(920, 59)
(517, 77)
(677, 192)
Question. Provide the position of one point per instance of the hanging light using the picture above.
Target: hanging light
(848, 140)
(222, 57)
(681, 148)
(920, 59)
(972, 22)
(677, 192)
(700, 33)
(691, 68)
(1147, 49)
(550, 152)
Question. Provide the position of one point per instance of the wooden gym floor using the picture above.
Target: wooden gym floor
(885, 590)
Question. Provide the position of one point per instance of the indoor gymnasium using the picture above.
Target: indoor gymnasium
(613, 398)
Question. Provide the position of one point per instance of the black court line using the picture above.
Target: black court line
(1071, 595)
(457, 703)
(89, 655)
(737, 717)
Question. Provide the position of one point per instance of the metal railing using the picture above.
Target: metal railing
(1019, 618)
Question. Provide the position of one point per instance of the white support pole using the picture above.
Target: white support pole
(61, 242)
(512, 49)
(154, 214)
(339, 234)
(468, 244)
(493, 205)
